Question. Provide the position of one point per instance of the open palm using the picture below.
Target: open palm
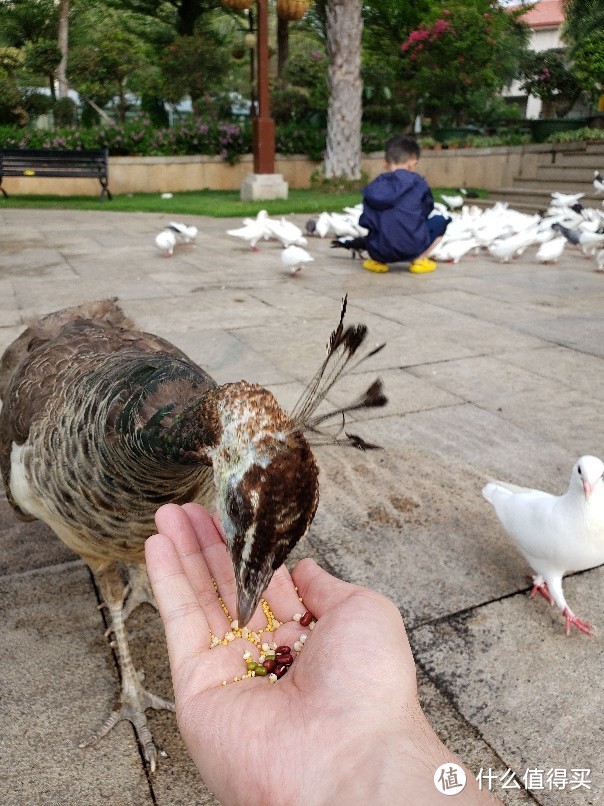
(348, 703)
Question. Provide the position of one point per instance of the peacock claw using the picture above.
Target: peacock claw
(133, 709)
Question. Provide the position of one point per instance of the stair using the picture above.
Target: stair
(565, 168)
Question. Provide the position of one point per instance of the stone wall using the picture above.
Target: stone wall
(488, 168)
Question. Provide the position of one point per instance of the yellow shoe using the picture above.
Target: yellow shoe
(422, 266)
(374, 265)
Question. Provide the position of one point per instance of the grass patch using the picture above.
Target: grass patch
(213, 203)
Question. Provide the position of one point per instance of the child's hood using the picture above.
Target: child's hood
(386, 189)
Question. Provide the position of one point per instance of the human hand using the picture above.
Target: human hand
(342, 725)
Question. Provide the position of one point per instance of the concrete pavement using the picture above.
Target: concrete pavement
(493, 371)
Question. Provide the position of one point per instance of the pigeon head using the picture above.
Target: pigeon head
(588, 473)
(267, 484)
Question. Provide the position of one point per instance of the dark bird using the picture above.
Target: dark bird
(310, 226)
(571, 235)
(356, 246)
(102, 423)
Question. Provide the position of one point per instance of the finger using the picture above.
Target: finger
(282, 596)
(215, 554)
(319, 590)
(174, 521)
(186, 628)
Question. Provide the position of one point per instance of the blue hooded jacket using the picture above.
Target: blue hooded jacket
(396, 206)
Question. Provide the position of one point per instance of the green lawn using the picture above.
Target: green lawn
(215, 203)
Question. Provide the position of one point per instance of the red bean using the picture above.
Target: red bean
(306, 619)
(283, 650)
(270, 664)
(286, 659)
(280, 670)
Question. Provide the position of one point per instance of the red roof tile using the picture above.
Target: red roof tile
(545, 14)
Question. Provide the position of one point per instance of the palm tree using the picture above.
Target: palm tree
(344, 26)
(63, 47)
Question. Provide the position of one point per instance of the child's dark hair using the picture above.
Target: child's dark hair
(400, 149)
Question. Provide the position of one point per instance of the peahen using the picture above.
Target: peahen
(102, 423)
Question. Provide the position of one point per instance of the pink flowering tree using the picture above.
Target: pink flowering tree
(547, 75)
(466, 49)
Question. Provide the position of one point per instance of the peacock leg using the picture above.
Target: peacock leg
(135, 699)
(138, 589)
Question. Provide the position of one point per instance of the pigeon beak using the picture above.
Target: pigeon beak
(587, 489)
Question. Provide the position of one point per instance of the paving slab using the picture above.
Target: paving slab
(511, 671)
(493, 371)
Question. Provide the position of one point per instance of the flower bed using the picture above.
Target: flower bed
(140, 138)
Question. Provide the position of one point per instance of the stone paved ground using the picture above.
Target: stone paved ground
(492, 371)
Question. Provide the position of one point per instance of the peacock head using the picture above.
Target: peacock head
(267, 484)
(264, 469)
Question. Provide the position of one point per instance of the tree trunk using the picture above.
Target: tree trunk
(344, 112)
(63, 47)
(282, 47)
(188, 11)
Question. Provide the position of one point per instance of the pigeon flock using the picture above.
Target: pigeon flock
(504, 233)
(498, 232)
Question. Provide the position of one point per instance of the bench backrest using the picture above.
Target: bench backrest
(50, 162)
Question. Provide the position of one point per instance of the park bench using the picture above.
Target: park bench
(56, 163)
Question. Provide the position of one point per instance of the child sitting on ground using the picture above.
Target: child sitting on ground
(396, 209)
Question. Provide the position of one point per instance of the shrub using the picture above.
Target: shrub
(576, 135)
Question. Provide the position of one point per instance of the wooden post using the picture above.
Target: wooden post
(263, 130)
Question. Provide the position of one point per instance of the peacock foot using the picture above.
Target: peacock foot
(135, 700)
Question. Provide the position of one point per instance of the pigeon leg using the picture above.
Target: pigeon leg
(135, 699)
(540, 586)
(138, 590)
(554, 583)
(581, 625)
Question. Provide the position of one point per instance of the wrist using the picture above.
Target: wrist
(393, 761)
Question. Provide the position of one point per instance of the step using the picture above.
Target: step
(551, 185)
(565, 173)
(529, 199)
(588, 161)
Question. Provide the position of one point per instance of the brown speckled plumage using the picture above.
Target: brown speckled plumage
(102, 423)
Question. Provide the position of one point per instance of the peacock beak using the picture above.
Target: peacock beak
(247, 602)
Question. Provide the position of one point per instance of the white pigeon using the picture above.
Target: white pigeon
(253, 230)
(184, 233)
(550, 250)
(556, 534)
(166, 241)
(344, 225)
(598, 183)
(293, 257)
(565, 199)
(504, 249)
(590, 242)
(285, 231)
(453, 202)
(323, 225)
(453, 251)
